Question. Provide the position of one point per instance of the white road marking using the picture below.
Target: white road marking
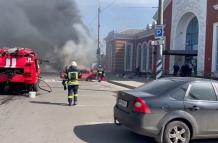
(97, 123)
(78, 105)
(52, 80)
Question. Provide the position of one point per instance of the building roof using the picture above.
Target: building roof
(132, 31)
(129, 34)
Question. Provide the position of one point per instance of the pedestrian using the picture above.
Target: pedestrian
(72, 76)
(100, 73)
(186, 70)
(182, 71)
(190, 67)
(176, 69)
(138, 71)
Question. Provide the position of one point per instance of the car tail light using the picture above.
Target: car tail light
(141, 106)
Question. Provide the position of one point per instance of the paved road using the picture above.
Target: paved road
(48, 119)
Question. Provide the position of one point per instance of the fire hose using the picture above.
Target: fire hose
(10, 74)
(40, 87)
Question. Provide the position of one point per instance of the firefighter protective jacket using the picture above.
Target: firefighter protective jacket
(72, 76)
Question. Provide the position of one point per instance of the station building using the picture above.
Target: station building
(191, 36)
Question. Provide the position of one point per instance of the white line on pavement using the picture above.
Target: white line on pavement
(96, 123)
(52, 80)
(93, 106)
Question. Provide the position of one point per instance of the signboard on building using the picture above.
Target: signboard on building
(215, 7)
(159, 32)
(158, 42)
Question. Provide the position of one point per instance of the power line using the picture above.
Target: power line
(109, 5)
(102, 10)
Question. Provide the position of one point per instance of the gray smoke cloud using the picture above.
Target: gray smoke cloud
(52, 27)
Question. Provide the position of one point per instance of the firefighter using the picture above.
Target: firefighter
(73, 83)
(100, 73)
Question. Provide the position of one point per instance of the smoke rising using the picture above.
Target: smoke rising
(84, 55)
(52, 27)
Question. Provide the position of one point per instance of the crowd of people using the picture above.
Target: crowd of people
(184, 71)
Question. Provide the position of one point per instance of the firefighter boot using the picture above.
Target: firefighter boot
(75, 100)
(69, 102)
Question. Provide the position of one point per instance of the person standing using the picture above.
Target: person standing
(176, 69)
(72, 74)
(100, 73)
(190, 69)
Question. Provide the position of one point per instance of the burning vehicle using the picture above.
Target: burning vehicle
(19, 69)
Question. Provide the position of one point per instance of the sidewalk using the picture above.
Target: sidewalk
(130, 83)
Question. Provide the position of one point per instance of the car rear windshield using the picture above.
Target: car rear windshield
(159, 87)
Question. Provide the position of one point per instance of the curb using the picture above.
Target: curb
(120, 84)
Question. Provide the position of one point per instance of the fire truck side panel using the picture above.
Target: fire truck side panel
(21, 68)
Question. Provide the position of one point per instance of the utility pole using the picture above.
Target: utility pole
(159, 61)
(99, 26)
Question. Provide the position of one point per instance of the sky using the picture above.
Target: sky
(117, 15)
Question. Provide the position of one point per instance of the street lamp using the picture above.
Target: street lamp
(99, 25)
(159, 61)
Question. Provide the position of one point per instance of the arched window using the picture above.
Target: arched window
(217, 49)
(145, 59)
(128, 56)
(138, 56)
(192, 35)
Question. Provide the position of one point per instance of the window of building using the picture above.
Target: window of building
(202, 91)
(138, 56)
(216, 48)
(145, 58)
(128, 56)
(110, 56)
(192, 35)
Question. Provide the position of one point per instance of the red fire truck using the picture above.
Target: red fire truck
(19, 69)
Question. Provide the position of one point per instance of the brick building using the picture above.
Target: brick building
(125, 51)
(191, 30)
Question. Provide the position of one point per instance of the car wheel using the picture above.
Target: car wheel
(1, 88)
(176, 132)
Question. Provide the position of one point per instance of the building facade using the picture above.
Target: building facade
(128, 51)
(191, 30)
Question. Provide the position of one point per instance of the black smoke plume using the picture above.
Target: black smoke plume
(53, 28)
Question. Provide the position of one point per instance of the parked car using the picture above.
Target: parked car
(171, 110)
(87, 75)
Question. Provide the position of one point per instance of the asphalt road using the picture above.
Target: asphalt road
(48, 119)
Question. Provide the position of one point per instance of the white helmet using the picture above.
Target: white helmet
(74, 64)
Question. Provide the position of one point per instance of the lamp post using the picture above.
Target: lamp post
(99, 26)
(159, 61)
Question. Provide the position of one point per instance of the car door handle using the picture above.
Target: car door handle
(194, 108)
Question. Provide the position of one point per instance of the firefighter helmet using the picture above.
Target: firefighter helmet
(74, 64)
